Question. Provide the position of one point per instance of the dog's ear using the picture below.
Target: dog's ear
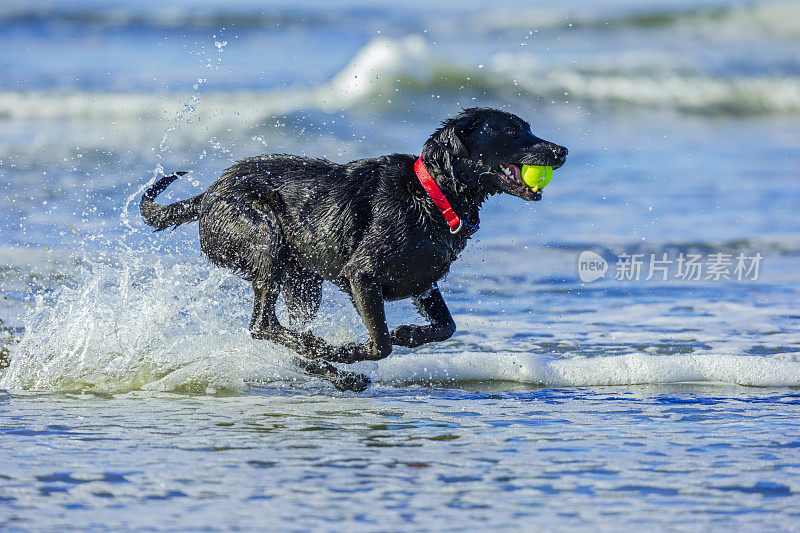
(451, 136)
(448, 149)
(457, 133)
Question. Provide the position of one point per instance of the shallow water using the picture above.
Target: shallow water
(671, 457)
(134, 396)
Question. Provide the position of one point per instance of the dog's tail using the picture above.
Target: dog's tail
(164, 216)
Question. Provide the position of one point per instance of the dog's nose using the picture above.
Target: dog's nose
(559, 151)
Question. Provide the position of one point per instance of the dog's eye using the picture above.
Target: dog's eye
(513, 131)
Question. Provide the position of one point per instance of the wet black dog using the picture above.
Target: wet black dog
(286, 223)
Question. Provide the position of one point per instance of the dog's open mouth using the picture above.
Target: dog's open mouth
(511, 176)
(512, 172)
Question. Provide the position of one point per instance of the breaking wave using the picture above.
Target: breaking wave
(390, 73)
(770, 18)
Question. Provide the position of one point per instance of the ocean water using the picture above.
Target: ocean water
(657, 396)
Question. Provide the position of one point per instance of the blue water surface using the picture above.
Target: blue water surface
(134, 398)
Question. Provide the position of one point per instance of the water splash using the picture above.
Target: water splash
(143, 321)
(138, 322)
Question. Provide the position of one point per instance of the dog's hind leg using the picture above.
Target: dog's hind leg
(431, 305)
(264, 325)
(248, 239)
(302, 292)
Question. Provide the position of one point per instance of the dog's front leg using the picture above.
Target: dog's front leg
(368, 299)
(432, 306)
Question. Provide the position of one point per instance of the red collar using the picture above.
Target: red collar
(455, 223)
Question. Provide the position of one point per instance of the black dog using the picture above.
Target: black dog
(286, 223)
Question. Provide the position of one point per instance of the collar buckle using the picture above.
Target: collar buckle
(470, 229)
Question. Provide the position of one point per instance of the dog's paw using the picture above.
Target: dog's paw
(351, 381)
(353, 353)
(349, 353)
(408, 336)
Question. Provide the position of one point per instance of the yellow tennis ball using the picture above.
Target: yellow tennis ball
(536, 177)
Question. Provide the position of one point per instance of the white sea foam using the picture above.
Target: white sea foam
(628, 369)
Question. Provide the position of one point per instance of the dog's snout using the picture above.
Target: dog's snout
(559, 151)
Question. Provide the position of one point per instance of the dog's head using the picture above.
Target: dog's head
(483, 150)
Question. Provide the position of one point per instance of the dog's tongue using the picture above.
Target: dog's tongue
(514, 170)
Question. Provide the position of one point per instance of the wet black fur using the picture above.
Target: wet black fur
(286, 223)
